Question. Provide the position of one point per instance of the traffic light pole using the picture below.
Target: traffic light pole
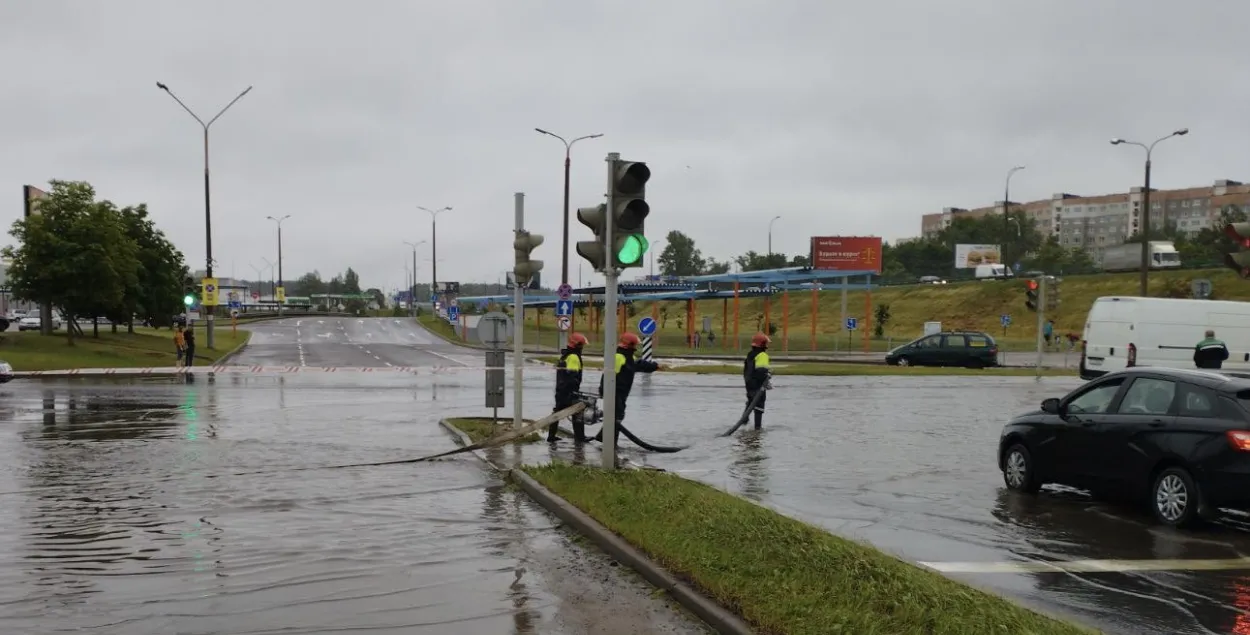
(610, 277)
(1041, 320)
(518, 317)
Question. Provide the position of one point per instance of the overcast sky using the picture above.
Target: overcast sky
(845, 118)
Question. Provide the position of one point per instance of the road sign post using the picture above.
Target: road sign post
(1201, 289)
(495, 382)
(518, 300)
(646, 326)
(1005, 319)
(1041, 319)
(851, 325)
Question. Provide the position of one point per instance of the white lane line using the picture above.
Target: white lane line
(446, 357)
(1090, 566)
(389, 364)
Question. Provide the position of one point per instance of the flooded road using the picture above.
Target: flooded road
(158, 507)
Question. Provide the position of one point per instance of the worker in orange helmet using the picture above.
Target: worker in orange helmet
(626, 367)
(568, 383)
(757, 372)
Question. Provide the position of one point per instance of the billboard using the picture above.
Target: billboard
(969, 256)
(30, 194)
(846, 253)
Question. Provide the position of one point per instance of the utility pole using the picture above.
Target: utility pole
(1007, 216)
(564, 249)
(1145, 208)
(281, 301)
(1041, 319)
(518, 317)
(610, 281)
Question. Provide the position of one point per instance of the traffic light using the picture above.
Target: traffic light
(188, 292)
(593, 250)
(1052, 293)
(188, 300)
(1240, 261)
(525, 268)
(629, 210)
(1031, 295)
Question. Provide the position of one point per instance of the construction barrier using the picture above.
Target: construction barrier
(252, 370)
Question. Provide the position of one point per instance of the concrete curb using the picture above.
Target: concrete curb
(224, 359)
(720, 619)
(465, 440)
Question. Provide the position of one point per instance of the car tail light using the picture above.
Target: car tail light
(1132, 354)
(1239, 439)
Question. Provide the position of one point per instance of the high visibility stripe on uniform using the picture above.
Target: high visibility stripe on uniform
(761, 360)
(620, 362)
(573, 363)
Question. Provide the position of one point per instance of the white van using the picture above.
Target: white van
(1132, 331)
(992, 272)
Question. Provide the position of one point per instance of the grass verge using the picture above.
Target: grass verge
(439, 327)
(779, 574)
(145, 347)
(482, 428)
(821, 369)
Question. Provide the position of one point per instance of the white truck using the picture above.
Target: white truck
(1127, 257)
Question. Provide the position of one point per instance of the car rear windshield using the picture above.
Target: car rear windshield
(1243, 397)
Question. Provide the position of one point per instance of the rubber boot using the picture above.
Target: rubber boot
(759, 419)
(551, 432)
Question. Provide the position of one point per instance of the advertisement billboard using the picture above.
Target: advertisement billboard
(969, 256)
(30, 194)
(846, 253)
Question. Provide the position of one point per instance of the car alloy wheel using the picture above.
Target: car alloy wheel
(1176, 498)
(1018, 470)
(903, 361)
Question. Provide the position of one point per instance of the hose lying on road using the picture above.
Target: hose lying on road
(487, 443)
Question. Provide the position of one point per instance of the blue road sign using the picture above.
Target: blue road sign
(646, 326)
(564, 307)
(852, 324)
(453, 313)
(234, 304)
(1017, 267)
(1006, 319)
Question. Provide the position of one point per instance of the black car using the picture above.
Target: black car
(970, 349)
(1176, 439)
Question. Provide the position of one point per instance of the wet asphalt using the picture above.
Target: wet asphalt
(122, 513)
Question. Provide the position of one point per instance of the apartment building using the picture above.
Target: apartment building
(1096, 222)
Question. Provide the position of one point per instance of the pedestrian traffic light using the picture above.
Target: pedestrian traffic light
(1240, 261)
(593, 250)
(525, 268)
(629, 211)
(1031, 295)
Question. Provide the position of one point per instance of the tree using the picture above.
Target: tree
(751, 261)
(351, 281)
(880, 318)
(74, 254)
(378, 297)
(715, 267)
(680, 257)
(307, 285)
(156, 294)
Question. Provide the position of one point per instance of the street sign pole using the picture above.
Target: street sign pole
(518, 346)
(609, 327)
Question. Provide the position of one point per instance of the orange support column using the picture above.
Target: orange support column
(815, 308)
(689, 323)
(620, 321)
(724, 323)
(737, 342)
(785, 321)
(867, 314)
(655, 315)
(768, 318)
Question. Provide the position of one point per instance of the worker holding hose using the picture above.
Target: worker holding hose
(626, 368)
(757, 372)
(568, 384)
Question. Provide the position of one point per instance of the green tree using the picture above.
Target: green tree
(715, 267)
(680, 257)
(307, 285)
(73, 253)
(156, 293)
(351, 281)
(379, 298)
(752, 261)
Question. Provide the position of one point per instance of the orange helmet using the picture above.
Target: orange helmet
(629, 341)
(577, 340)
(760, 341)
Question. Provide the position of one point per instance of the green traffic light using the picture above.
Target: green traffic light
(188, 299)
(632, 250)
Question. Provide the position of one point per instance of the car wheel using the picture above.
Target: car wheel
(903, 361)
(1175, 498)
(1018, 471)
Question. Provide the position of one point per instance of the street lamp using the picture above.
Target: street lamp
(208, 216)
(413, 299)
(273, 287)
(564, 249)
(1007, 213)
(770, 235)
(433, 248)
(1145, 206)
(281, 300)
(654, 248)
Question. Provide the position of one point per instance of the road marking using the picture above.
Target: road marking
(367, 351)
(389, 364)
(1090, 566)
(446, 357)
(378, 358)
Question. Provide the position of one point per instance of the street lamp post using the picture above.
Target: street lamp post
(654, 249)
(273, 287)
(1007, 214)
(283, 299)
(564, 249)
(770, 235)
(433, 251)
(413, 299)
(208, 216)
(1145, 205)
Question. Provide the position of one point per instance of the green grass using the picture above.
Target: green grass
(823, 369)
(779, 574)
(145, 347)
(439, 327)
(974, 305)
(483, 428)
